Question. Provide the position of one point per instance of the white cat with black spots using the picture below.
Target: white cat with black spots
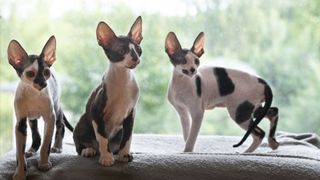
(194, 89)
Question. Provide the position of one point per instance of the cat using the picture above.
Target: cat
(194, 89)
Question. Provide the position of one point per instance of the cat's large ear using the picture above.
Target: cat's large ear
(172, 44)
(105, 35)
(17, 56)
(198, 45)
(49, 51)
(135, 32)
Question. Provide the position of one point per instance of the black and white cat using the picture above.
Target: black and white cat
(194, 89)
(37, 96)
(106, 126)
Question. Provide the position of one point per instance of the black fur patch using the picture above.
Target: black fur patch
(273, 129)
(273, 113)
(262, 81)
(198, 85)
(197, 61)
(134, 55)
(120, 48)
(83, 134)
(66, 123)
(22, 126)
(36, 139)
(116, 139)
(179, 57)
(127, 129)
(225, 84)
(49, 148)
(59, 121)
(39, 79)
(185, 71)
(244, 112)
(19, 71)
(60, 130)
(79, 148)
(258, 112)
(138, 49)
(113, 56)
(98, 105)
(23, 148)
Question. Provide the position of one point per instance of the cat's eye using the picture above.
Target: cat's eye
(196, 61)
(30, 74)
(138, 49)
(122, 51)
(46, 72)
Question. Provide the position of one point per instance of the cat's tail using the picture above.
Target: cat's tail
(260, 116)
(67, 123)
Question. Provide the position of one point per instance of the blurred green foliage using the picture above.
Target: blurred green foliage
(279, 39)
(6, 123)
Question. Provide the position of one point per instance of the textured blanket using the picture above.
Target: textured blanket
(160, 157)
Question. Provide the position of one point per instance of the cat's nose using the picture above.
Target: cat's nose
(43, 85)
(40, 86)
(192, 70)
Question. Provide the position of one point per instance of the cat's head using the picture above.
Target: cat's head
(185, 61)
(34, 70)
(122, 51)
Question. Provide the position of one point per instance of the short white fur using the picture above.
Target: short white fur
(183, 95)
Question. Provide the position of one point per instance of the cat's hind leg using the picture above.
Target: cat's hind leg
(243, 114)
(36, 138)
(273, 116)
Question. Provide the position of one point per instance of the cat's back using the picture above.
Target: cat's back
(219, 83)
(225, 75)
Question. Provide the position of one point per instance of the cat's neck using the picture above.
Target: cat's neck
(25, 92)
(181, 81)
(179, 77)
(117, 74)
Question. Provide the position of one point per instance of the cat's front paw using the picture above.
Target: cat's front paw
(31, 152)
(106, 160)
(56, 150)
(188, 149)
(44, 166)
(125, 158)
(88, 152)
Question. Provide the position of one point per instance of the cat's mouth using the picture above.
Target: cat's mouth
(133, 65)
(38, 87)
(191, 75)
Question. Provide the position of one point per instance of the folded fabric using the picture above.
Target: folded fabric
(161, 157)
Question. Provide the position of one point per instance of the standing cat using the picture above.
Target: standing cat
(194, 89)
(36, 96)
(106, 126)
